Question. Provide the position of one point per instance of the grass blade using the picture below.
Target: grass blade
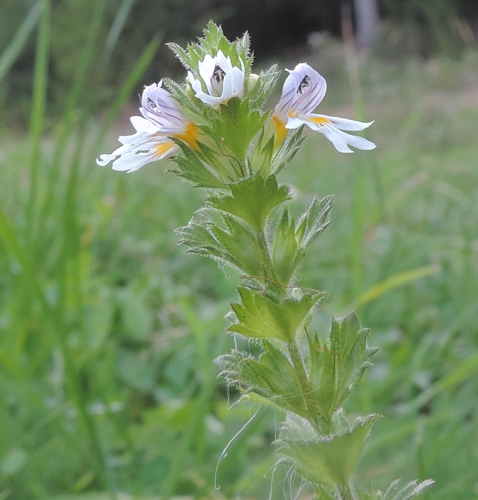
(115, 31)
(40, 80)
(11, 53)
(128, 87)
(399, 279)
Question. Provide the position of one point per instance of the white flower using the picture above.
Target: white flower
(162, 120)
(303, 90)
(222, 80)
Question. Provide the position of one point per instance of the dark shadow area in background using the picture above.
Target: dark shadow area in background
(279, 29)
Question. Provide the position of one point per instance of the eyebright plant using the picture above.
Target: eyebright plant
(222, 136)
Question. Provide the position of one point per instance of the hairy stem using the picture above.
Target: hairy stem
(314, 415)
(347, 492)
(267, 265)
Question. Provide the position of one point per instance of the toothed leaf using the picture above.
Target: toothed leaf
(252, 199)
(260, 317)
(328, 461)
(314, 220)
(337, 366)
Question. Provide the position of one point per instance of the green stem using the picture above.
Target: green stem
(268, 266)
(347, 492)
(310, 404)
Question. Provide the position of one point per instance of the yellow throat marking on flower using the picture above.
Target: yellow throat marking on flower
(189, 136)
(280, 130)
(163, 148)
(319, 120)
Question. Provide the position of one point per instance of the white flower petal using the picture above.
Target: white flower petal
(132, 162)
(222, 80)
(137, 138)
(344, 123)
(223, 61)
(134, 159)
(238, 80)
(160, 108)
(228, 87)
(339, 142)
(310, 91)
(303, 90)
(339, 139)
(104, 159)
(296, 123)
(206, 70)
(139, 123)
(215, 102)
(163, 119)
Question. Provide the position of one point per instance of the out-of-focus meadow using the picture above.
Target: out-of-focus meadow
(109, 329)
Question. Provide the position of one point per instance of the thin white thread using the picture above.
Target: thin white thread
(303, 482)
(272, 480)
(224, 452)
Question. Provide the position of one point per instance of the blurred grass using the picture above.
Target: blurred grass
(108, 330)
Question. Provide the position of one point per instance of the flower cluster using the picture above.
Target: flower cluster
(162, 120)
(223, 138)
(303, 91)
(214, 82)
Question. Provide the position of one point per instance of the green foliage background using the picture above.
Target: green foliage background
(108, 330)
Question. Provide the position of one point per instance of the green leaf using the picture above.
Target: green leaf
(183, 97)
(261, 157)
(224, 238)
(337, 367)
(213, 41)
(260, 317)
(235, 127)
(270, 380)
(183, 55)
(264, 86)
(313, 221)
(328, 461)
(192, 168)
(398, 492)
(286, 151)
(285, 254)
(252, 199)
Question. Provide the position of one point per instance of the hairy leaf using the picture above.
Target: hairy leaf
(338, 366)
(217, 235)
(264, 86)
(396, 491)
(270, 380)
(252, 199)
(190, 167)
(314, 220)
(328, 461)
(286, 256)
(260, 317)
(234, 128)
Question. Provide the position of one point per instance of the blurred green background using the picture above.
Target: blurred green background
(108, 329)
